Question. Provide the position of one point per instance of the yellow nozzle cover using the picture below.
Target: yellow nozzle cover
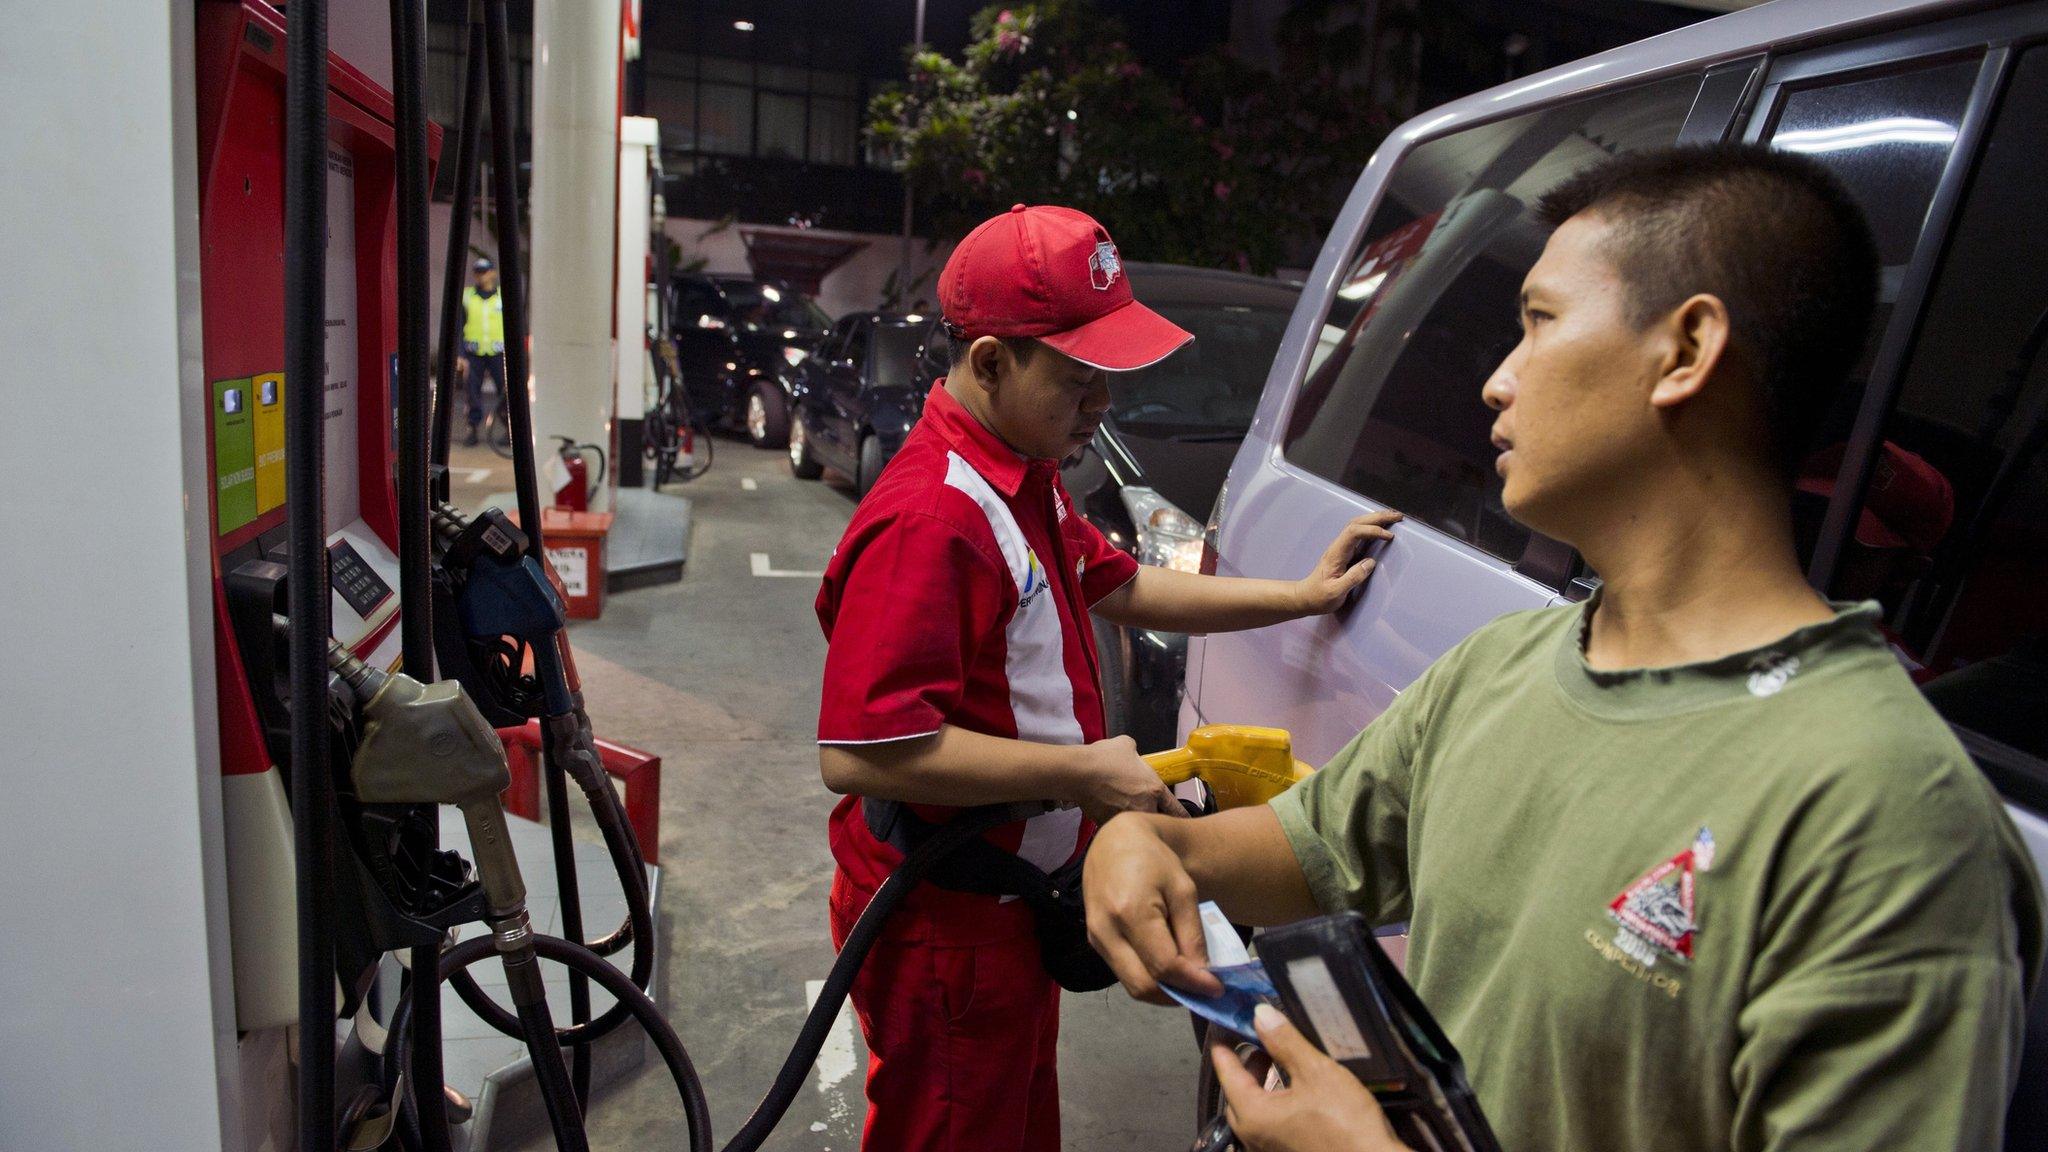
(1241, 764)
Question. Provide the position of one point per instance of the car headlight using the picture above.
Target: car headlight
(1167, 536)
(794, 356)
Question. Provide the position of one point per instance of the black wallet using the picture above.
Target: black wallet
(1338, 986)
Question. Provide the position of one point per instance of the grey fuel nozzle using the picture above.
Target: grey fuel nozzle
(428, 744)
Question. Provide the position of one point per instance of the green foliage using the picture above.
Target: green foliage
(1230, 166)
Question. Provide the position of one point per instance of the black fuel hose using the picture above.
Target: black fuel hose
(789, 1080)
(455, 271)
(305, 340)
(415, 534)
(543, 1050)
(852, 954)
(519, 409)
(604, 797)
(570, 897)
(696, 1111)
(625, 852)
(511, 264)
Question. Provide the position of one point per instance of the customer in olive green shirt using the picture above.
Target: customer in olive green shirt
(1692, 866)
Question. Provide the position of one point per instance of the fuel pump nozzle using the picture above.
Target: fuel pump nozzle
(1242, 765)
(428, 744)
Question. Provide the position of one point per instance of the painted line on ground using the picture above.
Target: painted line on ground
(477, 475)
(762, 567)
(747, 484)
(836, 1060)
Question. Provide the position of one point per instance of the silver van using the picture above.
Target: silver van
(1935, 115)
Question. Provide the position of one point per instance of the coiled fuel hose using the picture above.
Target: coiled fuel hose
(789, 1080)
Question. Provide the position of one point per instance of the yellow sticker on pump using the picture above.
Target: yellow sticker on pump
(268, 432)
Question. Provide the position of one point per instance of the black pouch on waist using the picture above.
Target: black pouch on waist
(1060, 921)
(1062, 925)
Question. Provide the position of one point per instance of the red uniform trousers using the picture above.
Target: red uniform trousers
(962, 1040)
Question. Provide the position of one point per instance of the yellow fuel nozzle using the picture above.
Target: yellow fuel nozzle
(1242, 765)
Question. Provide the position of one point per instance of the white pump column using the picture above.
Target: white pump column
(575, 121)
(638, 136)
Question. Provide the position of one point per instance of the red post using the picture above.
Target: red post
(639, 771)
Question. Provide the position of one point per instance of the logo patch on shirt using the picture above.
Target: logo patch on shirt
(1104, 266)
(1034, 581)
(1654, 915)
(1770, 672)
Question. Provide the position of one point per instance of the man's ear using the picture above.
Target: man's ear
(985, 358)
(1696, 342)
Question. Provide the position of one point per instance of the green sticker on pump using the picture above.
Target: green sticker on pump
(234, 455)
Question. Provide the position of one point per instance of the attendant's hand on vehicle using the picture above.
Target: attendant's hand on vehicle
(1323, 1108)
(1142, 916)
(1114, 778)
(1344, 566)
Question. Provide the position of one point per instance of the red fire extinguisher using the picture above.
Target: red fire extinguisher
(573, 482)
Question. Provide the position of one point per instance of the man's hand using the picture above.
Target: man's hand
(1114, 778)
(1344, 566)
(1141, 912)
(1322, 1109)
(462, 367)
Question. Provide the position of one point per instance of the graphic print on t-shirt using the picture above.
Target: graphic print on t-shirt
(1654, 915)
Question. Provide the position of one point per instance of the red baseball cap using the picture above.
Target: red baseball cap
(1909, 502)
(1053, 274)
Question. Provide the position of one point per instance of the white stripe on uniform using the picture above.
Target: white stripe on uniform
(1034, 662)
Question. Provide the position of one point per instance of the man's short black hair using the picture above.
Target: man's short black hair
(1773, 235)
(1021, 347)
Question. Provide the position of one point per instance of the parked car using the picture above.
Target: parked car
(1932, 116)
(857, 397)
(736, 341)
(1151, 475)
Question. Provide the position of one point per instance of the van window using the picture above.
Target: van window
(1952, 537)
(1391, 409)
(1887, 138)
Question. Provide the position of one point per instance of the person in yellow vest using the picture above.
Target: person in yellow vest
(483, 341)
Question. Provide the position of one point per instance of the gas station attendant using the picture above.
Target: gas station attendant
(962, 670)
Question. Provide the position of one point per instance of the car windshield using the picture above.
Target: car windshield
(1208, 389)
(896, 347)
(765, 306)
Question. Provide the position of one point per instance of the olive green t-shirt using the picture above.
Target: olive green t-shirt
(1764, 902)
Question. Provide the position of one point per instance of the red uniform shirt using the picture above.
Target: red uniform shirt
(959, 595)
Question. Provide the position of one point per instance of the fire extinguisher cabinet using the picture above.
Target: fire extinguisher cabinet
(576, 548)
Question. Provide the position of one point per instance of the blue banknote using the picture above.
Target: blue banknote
(1245, 987)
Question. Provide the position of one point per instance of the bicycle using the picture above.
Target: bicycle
(497, 429)
(677, 440)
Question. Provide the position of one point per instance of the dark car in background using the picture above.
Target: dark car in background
(737, 340)
(1151, 475)
(858, 394)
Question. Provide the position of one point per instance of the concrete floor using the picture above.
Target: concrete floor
(719, 676)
